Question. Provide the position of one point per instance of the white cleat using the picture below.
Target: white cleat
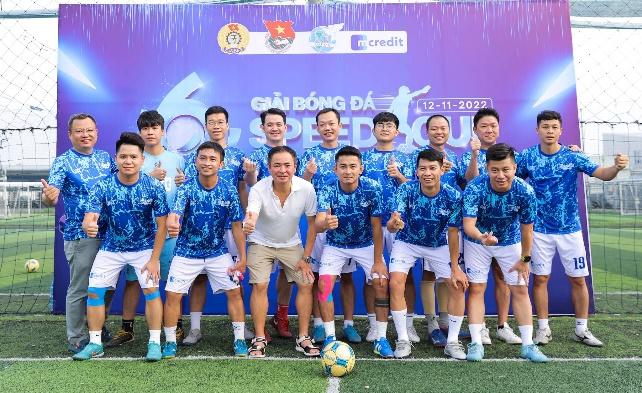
(507, 335)
(587, 338)
(403, 349)
(485, 336)
(372, 334)
(412, 334)
(455, 351)
(543, 336)
(193, 337)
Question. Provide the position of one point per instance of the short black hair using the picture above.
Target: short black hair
(272, 111)
(347, 151)
(150, 119)
(79, 116)
(212, 110)
(430, 155)
(130, 138)
(385, 117)
(549, 115)
(281, 149)
(328, 110)
(499, 152)
(483, 112)
(212, 145)
(435, 117)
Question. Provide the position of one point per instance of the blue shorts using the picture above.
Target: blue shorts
(165, 259)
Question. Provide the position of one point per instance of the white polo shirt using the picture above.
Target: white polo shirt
(279, 226)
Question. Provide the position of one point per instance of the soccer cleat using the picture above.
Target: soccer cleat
(543, 336)
(403, 349)
(169, 350)
(455, 351)
(248, 334)
(282, 326)
(154, 352)
(475, 352)
(485, 335)
(121, 337)
(91, 350)
(351, 334)
(193, 337)
(587, 338)
(382, 348)
(328, 339)
(507, 335)
(77, 347)
(372, 334)
(240, 348)
(437, 338)
(180, 335)
(412, 334)
(532, 353)
(318, 333)
(105, 335)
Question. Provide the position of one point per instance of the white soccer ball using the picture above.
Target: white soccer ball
(32, 265)
(337, 359)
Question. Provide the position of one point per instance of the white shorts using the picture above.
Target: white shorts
(478, 261)
(231, 248)
(570, 246)
(388, 239)
(108, 264)
(435, 259)
(334, 258)
(183, 272)
(317, 252)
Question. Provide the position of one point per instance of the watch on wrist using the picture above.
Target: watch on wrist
(308, 259)
(526, 259)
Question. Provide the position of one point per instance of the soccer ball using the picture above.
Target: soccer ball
(32, 266)
(337, 359)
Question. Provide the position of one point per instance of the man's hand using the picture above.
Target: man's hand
(153, 271)
(158, 173)
(311, 167)
(447, 164)
(49, 193)
(249, 166)
(475, 145)
(331, 222)
(249, 223)
(393, 169)
(523, 269)
(180, 177)
(396, 223)
(488, 239)
(306, 271)
(457, 278)
(238, 270)
(90, 224)
(379, 273)
(173, 224)
(621, 161)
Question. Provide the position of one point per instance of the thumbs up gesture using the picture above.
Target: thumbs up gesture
(158, 172)
(311, 167)
(395, 223)
(90, 224)
(249, 166)
(249, 223)
(180, 177)
(475, 145)
(173, 224)
(49, 193)
(331, 222)
(392, 168)
(621, 161)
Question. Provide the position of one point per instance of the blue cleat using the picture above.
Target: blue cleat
(475, 352)
(240, 348)
(91, 350)
(383, 349)
(351, 334)
(169, 350)
(329, 339)
(532, 353)
(437, 338)
(154, 353)
(464, 334)
(318, 334)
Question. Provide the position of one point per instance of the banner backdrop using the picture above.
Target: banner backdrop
(411, 59)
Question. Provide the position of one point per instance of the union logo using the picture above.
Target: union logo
(233, 38)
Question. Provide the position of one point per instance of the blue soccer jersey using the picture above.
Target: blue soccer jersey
(452, 176)
(130, 211)
(426, 218)
(375, 163)
(75, 174)
(500, 213)
(324, 158)
(260, 157)
(170, 162)
(465, 161)
(554, 178)
(232, 170)
(353, 210)
(205, 215)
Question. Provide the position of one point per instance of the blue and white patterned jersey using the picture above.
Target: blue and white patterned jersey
(231, 172)
(169, 161)
(75, 174)
(452, 176)
(465, 161)
(324, 158)
(554, 178)
(426, 218)
(375, 163)
(353, 210)
(500, 213)
(205, 215)
(130, 211)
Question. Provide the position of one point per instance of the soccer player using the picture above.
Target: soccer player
(422, 212)
(166, 167)
(499, 211)
(218, 127)
(206, 204)
(390, 169)
(350, 210)
(552, 171)
(135, 205)
(274, 209)
(73, 174)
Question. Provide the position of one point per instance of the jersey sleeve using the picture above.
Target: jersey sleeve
(521, 159)
(378, 209)
(235, 205)
(301, 168)
(407, 169)
(57, 174)
(190, 167)
(96, 198)
(528, 208)
(471, 201)
(324, 199)
(399, 203)
(584, 164)
(254, 200)
(180, 203)
(113, 168)
(455, 219)
(160, 200)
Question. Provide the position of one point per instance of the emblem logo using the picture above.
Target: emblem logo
(322, 38)
(280, 35)
(233, 38)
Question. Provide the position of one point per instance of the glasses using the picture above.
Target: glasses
(216, 123)
(79, 131)
(385, 126)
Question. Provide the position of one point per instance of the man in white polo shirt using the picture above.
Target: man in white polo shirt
(275, 206)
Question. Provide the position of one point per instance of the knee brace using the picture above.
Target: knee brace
(96, 296)
(382, 303)
(152, 295)
(325, 296)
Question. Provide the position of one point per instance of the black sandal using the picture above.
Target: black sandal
(258, 345)
(310, 350)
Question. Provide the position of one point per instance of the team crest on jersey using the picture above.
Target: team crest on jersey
(105, 165)
(566, 167)
(443, 212)
(146, 201)
(233, 38)
(280, 35)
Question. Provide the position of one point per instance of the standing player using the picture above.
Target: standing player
(499, 211)
(135, 206)
(350, 209)
(166, 167)
(74, 173)
(552, 170)
(423, 210)
(207, 204)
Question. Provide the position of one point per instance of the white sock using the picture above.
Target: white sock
(318, 321)
(329, 328)
(347, 322)
(410, 318)
(432, 322)
(580, 326)
(454, 326)
(195, 320)
(382, 328)
(526, 333)
(239, 330)
(372, 319)
(542, 323)
(475, 332)
(96, 337)
(154, 336)
(170, 334)
(399, 318)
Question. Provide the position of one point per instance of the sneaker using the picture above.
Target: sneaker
(455, 351)
(437, 338)
(91, 350)
(248, 334)
(282, 326)
(372, 334)
(318, 333)
(382, 348)
(193, 337)
(105, 335)
(475, 352)
(154, 352)
(78, 346)
(507, 335)
(121, 337)
(351, 334)
(240, 348)
(543, 336)
(403, 349)
(328, 339)
(169, 350)
(532, 353)
(412, 334)
(180, 335)
(587, 338)
(485, 336)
